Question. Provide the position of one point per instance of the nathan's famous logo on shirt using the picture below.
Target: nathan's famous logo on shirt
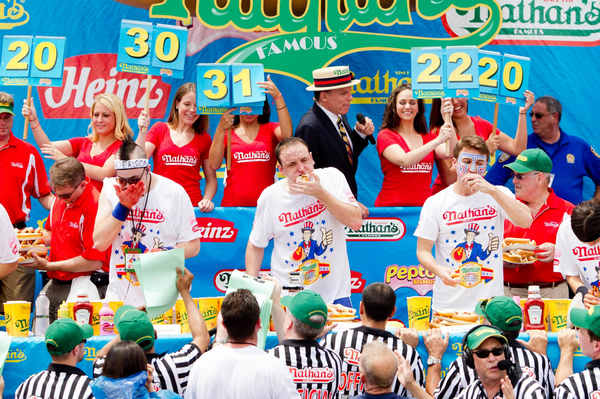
(311, 254)
(469, 215)
(421, 167)
(302, 214)
(377, 229)
(179, 160)
(318, 375)
(87, 75)
(351, 356)
(586, 253)
(216, 230)
(15, 356)
(147, 216)
(414, 276)
(252, 156)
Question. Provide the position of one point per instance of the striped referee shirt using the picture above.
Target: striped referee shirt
(533, 364)
(315, 370)
(171, 370)
(583, 385)
(526, 388)
(59, 381)
(349, 343)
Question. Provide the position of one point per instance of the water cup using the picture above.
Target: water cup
(16, 318)
(209, 309)
(419, 312)
(557, 313)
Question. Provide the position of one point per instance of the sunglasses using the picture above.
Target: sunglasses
(538, 115)
(484, 353)
(67, 196)
(129, 180)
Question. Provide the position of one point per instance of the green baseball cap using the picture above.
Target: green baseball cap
(477, 337)
(7, 108)
(530, 160)
(63, 335)
(587, 318)
(305, 304)
(502, 312)
(134, 325)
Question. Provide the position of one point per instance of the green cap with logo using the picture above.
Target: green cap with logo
(530, 160)
(587, 318)
(502, 312)
(479, 335)
(7, 108)
(134, 325)
(306, 304)
(63, 335)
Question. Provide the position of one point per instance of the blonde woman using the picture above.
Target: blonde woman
(96, 152)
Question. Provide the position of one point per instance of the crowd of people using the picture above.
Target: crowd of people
(108, 205)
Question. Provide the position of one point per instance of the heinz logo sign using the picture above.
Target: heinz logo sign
(216, 230)
(378, 229)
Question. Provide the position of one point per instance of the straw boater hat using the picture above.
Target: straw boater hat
(333, 77)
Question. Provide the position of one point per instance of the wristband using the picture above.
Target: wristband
(582, 289)
(120, 212)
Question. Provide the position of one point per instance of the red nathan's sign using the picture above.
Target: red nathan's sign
(88, 75)
(216, 230)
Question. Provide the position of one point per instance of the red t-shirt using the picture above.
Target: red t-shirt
(252, 167)
(72, 227)
(23, 176)
(408, 186)
(483, 129)
(543, 229)
(82, 147)
(180, 164)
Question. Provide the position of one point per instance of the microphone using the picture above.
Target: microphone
(360, 118)
(512, 371)
(505, 364)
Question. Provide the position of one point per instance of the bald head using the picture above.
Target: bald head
(378, 366)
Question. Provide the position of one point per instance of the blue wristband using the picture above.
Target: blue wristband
(120, 212)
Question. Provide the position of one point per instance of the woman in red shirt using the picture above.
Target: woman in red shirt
(466, 125)
(179, 147)
(97, 151)
(253, 142)
(406, 150)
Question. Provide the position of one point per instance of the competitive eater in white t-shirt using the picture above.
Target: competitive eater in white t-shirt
(305, 215)
(465, 221)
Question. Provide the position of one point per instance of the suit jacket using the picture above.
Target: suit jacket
(326, 145)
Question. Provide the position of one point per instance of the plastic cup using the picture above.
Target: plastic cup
(96, 306)
(557, 313)
(209, 309)
(16, 318)
(181, 316)
(419, 312)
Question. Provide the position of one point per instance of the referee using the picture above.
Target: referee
(171, 370)
(501, 312)
(62, 380)
(377, 306)
(484, 349)
(586, 384)
(316, 371)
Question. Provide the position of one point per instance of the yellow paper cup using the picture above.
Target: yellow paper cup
(181, 316)
(209, 309)
(557, 313)
(96, 305)
(16, 316)
(419, 312)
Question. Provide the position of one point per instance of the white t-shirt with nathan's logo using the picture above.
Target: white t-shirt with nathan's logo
(467, 232)
(309, 242)
(169, 219)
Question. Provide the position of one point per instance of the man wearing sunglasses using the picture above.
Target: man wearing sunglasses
(139, 212)
(70, 225)
(572, 157)
(485, 349)
(504, 314)
(531, 177)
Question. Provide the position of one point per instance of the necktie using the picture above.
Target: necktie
(344, 136)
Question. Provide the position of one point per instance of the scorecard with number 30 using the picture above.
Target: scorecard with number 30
(223, 86)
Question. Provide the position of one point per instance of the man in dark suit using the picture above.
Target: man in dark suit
(330, 138)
